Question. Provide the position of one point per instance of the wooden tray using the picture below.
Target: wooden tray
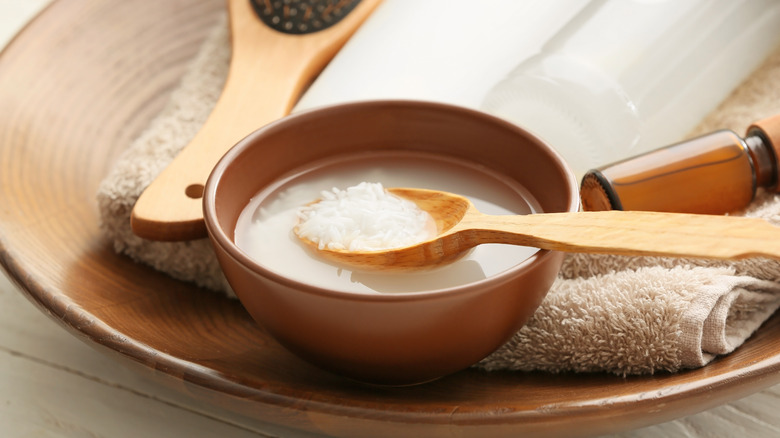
(76, 87)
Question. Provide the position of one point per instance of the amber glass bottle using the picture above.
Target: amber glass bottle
(713, 174)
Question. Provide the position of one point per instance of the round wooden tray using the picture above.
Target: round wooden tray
(76, 86)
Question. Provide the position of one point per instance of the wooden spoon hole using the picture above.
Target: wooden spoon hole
(194, 191)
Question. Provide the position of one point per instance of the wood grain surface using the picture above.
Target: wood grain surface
(75, 88)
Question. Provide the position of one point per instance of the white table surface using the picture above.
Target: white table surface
(54, 385)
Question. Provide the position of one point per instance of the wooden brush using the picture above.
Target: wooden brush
(278, 48)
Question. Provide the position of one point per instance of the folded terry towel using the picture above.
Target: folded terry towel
(624, 315)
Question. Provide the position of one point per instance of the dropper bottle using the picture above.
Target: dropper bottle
(716, 173)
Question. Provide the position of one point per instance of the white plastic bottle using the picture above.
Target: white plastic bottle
(450, 51)
(627, 76)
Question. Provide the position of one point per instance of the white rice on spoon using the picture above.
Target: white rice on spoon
(365, 217)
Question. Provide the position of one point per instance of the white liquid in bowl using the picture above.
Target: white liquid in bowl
(264, 229)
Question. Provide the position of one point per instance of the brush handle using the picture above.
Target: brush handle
(631, 233)
(268, 72)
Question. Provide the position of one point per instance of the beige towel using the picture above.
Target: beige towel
(604, 313)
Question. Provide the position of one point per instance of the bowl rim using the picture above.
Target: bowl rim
(219, 237)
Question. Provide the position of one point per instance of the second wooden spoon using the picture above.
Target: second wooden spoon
(461, 227)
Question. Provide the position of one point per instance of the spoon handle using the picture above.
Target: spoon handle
(634, 233)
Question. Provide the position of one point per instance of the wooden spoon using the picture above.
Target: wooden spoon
(461, 227)
(269, 69)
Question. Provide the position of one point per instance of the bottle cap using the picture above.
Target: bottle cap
(768, 130)
(597, 193)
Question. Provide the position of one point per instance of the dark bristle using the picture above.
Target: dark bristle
(302, 16)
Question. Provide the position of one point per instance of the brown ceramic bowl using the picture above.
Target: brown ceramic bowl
(387, 338)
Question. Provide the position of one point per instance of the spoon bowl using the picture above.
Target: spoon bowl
(447, 211)
(461, 227)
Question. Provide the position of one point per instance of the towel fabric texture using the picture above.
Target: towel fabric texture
(617, 314)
